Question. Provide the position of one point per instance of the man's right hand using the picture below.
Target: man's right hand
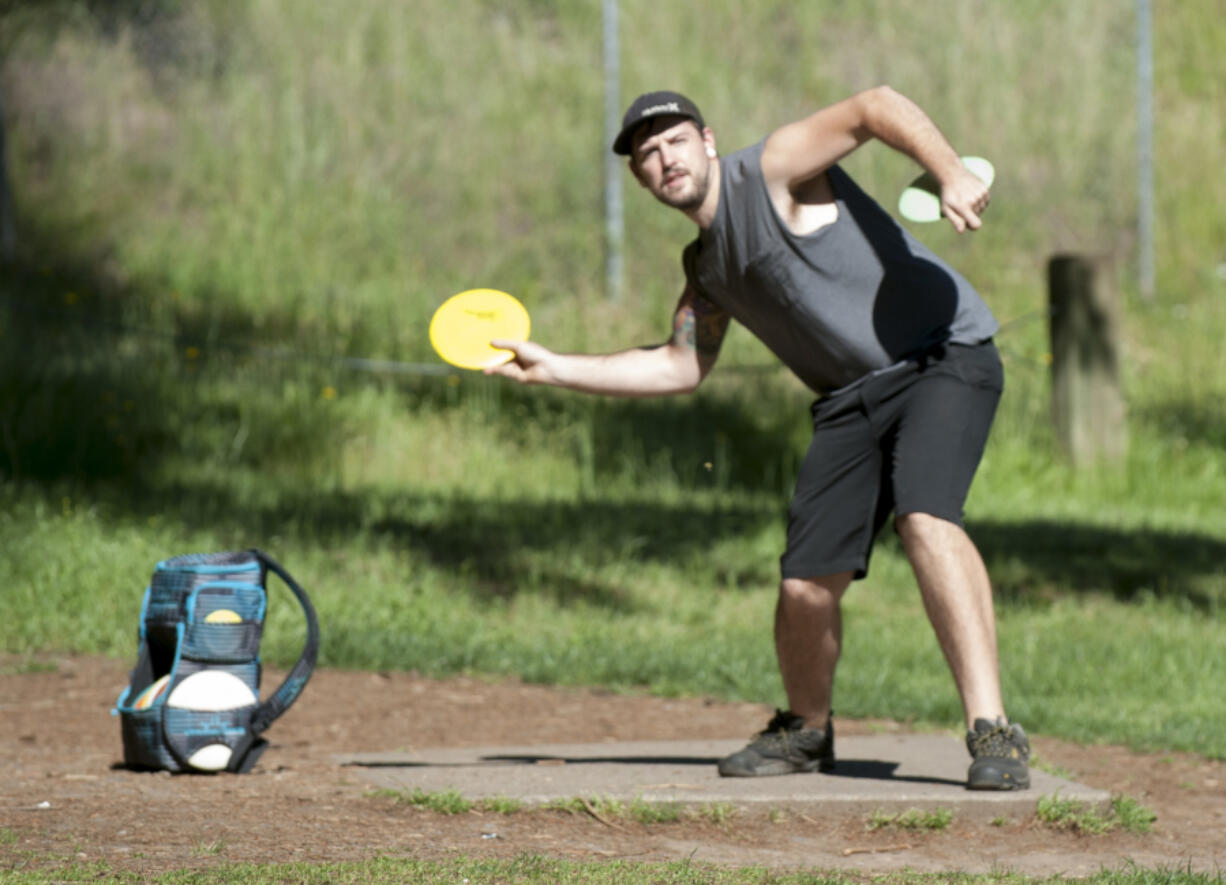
(530, 365)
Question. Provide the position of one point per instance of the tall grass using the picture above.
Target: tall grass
(335, 173)
(216, 203)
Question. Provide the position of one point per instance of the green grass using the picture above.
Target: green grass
(502, 805)
(718, 813)
(536, 870)
(605, 808)
(450, 801)
(1131, 815)
(441, 802)
(645, 812)
(638, 809)
(1125, 813)
(912, 819)
(215, 848)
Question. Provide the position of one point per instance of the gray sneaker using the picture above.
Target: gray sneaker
(785, 746)
(1002, 756)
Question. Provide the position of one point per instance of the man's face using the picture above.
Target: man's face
(670, 159)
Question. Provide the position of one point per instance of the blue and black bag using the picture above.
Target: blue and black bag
(203, 617)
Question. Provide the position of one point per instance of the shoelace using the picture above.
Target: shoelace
(996, 742)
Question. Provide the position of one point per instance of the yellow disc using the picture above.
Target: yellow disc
(223, 616)
(464, 324)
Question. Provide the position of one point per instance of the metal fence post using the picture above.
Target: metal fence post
(1145, 148)
(614, 214)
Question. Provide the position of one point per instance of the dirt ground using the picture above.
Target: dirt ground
(64, 796)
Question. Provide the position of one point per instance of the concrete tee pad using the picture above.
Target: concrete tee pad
(891, 773)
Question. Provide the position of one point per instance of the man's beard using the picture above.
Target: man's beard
(695, 199)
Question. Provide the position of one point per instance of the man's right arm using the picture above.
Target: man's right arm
(676, 366)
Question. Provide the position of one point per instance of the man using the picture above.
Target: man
(896, 344)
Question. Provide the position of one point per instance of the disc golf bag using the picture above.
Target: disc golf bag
(192, 702)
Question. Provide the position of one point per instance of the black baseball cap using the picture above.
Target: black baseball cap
(654, 104)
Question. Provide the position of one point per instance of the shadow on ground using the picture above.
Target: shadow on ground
(1034, 560)
(1031, 561)
(90, 395)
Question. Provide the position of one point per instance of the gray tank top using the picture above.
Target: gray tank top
(854, 298)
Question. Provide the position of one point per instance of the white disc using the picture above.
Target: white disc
(211, 691)
(919, 202)
(211, 757)
(982, 168)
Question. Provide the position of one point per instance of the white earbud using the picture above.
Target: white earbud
(710, 151)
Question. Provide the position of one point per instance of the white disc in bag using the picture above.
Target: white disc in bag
(211, 691)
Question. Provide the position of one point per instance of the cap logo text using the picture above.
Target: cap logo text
(668, 107)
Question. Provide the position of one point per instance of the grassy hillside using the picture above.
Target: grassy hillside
(217, 201)
(325, 167)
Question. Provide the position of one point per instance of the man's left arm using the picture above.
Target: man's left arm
(802, 150)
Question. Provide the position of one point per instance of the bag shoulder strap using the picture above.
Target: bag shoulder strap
(281, 699)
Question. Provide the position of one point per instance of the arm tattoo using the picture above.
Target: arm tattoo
(700, 325)
(711, 324)
(683, 327)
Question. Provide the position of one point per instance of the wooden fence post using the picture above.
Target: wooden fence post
(1087, 404)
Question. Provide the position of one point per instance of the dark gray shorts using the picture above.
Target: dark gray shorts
(906, 441)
